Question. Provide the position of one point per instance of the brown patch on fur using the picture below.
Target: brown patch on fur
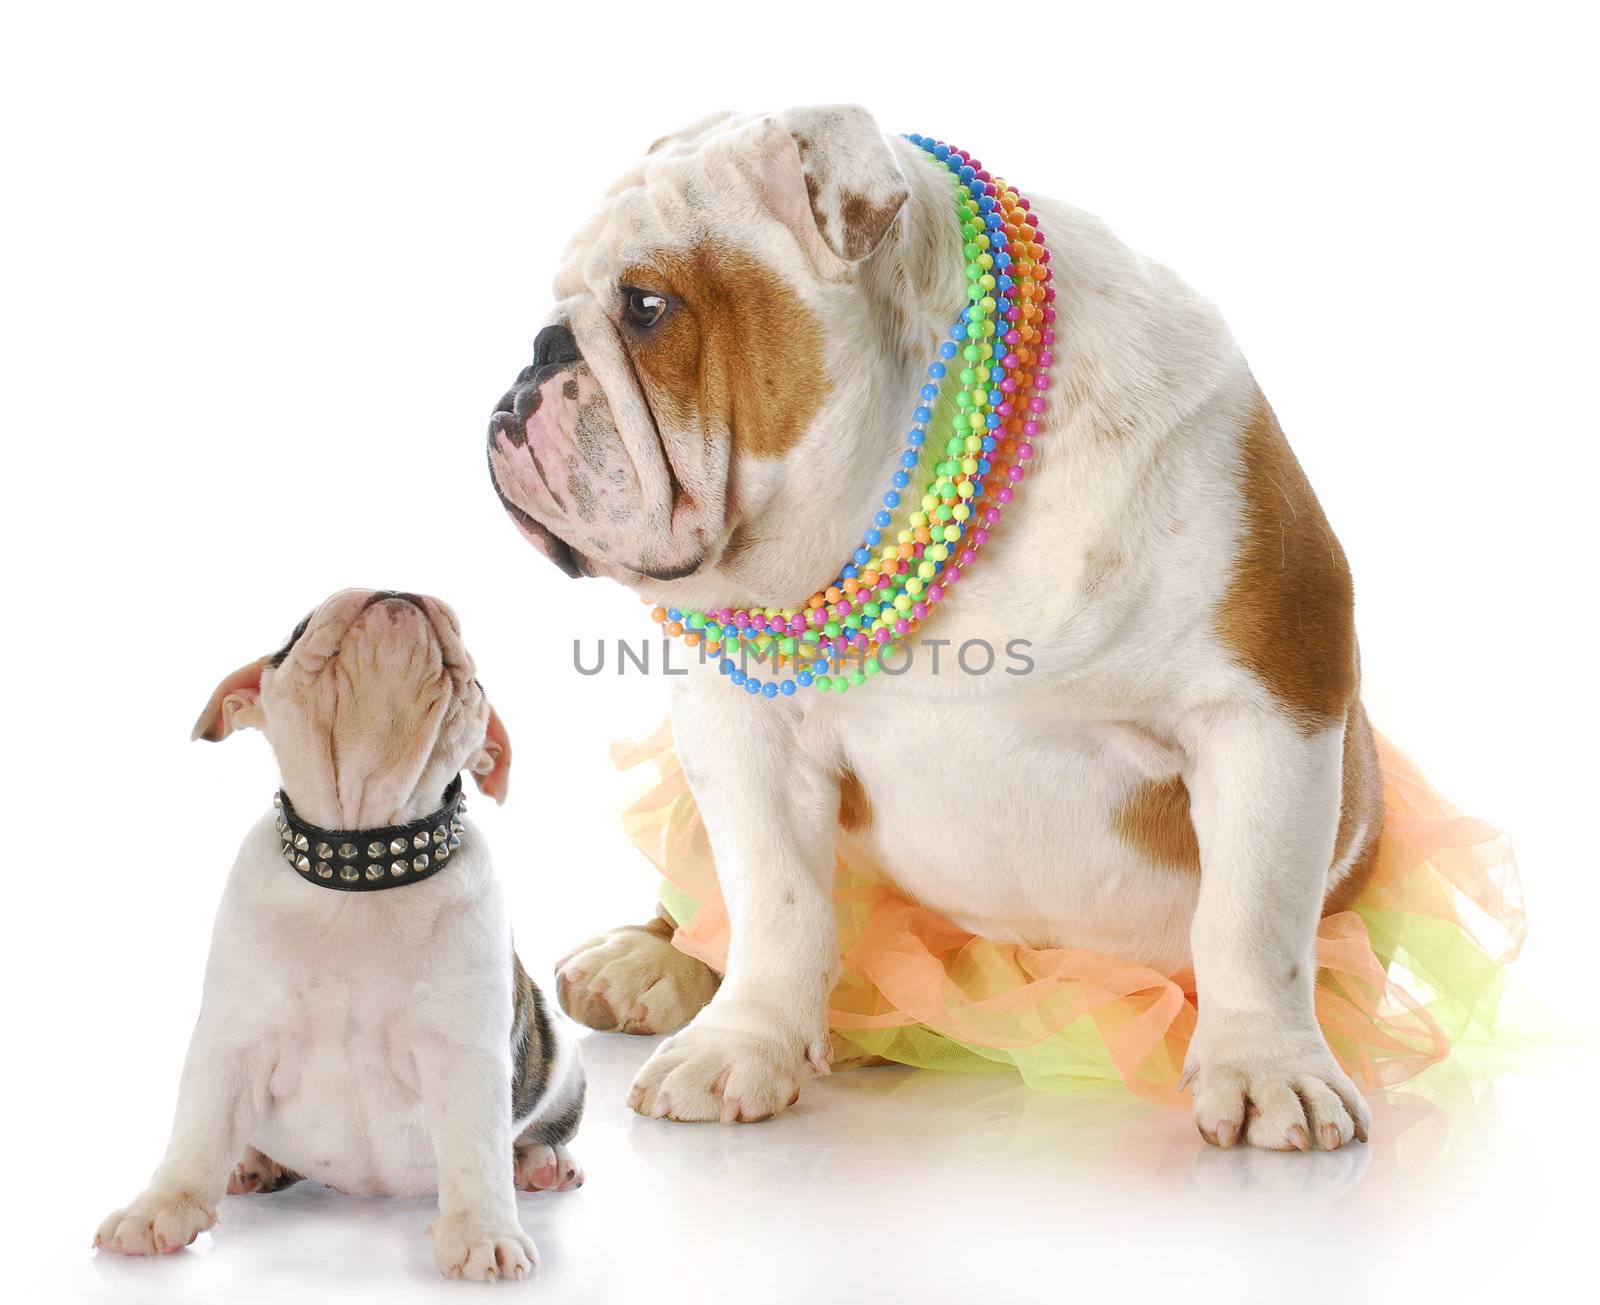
(532, 1044)
(855, 809)
(866, 222)
(814, 198)
(1360, 811)
(1154, 818)
(738, 350)
(1288, 613)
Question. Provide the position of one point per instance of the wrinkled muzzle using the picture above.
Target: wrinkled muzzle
(594, 493)
(558, 465)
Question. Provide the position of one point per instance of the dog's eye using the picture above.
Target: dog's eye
(644, 307)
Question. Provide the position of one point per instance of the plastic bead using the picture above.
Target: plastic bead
(998, 392)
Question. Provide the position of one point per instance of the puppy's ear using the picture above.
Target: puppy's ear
(235, 704)
(848, 178)
(491, 764)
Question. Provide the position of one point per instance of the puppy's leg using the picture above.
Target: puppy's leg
(221, 1096)
(770, 816)
(260, 1173)
(466, 1093)
(1265, 803)
(541, 1160)
(635, 980)
(547, 1089)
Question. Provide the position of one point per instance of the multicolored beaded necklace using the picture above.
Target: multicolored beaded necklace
(986, 389)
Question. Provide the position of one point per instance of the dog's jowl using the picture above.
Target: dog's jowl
(1184, 776)
(365, 1021)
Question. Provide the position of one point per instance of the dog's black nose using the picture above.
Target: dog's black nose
(393, 596)
(555, 345)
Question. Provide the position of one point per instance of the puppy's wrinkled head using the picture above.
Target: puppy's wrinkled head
(371, 707)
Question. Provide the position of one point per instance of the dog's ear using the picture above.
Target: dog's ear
(491, 764)
(848, 185)
(235, 704)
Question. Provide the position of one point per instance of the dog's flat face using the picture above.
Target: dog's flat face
(371, 707)
(706, 327)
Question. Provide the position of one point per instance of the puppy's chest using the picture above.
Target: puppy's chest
(343, 1100)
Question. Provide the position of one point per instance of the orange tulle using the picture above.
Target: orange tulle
(1415, 963)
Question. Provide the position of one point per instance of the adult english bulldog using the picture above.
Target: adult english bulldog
(1186, 778)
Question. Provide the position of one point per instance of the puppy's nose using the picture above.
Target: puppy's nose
(394, 596)
(555, 345)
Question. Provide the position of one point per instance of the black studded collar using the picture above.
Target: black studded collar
(365, 860)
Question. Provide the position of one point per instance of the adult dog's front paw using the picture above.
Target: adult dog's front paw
(482, 1248)
(732, 1070)
(158, 1222)
(1288, 1097)
(635, 980)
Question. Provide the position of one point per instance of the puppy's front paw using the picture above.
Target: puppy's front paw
(482, 1248)
(635, 980)
(1291, 1097)
(157, 1223)
(728, 1071)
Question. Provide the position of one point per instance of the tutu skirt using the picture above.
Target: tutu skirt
(1413, 965)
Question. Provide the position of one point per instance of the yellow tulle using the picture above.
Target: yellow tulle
(1415, 965)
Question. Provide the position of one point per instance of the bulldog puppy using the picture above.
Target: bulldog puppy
(1185, 778)
(387, 1043)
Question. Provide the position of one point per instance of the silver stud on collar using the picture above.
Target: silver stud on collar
(401, 854)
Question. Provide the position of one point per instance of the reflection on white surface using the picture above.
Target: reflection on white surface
(888, 1184)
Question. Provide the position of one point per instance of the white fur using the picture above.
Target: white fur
(992, 795)
(361, 1039)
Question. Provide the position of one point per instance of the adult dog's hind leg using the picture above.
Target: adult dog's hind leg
(633, 980)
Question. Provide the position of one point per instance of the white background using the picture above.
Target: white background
(267, 269)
